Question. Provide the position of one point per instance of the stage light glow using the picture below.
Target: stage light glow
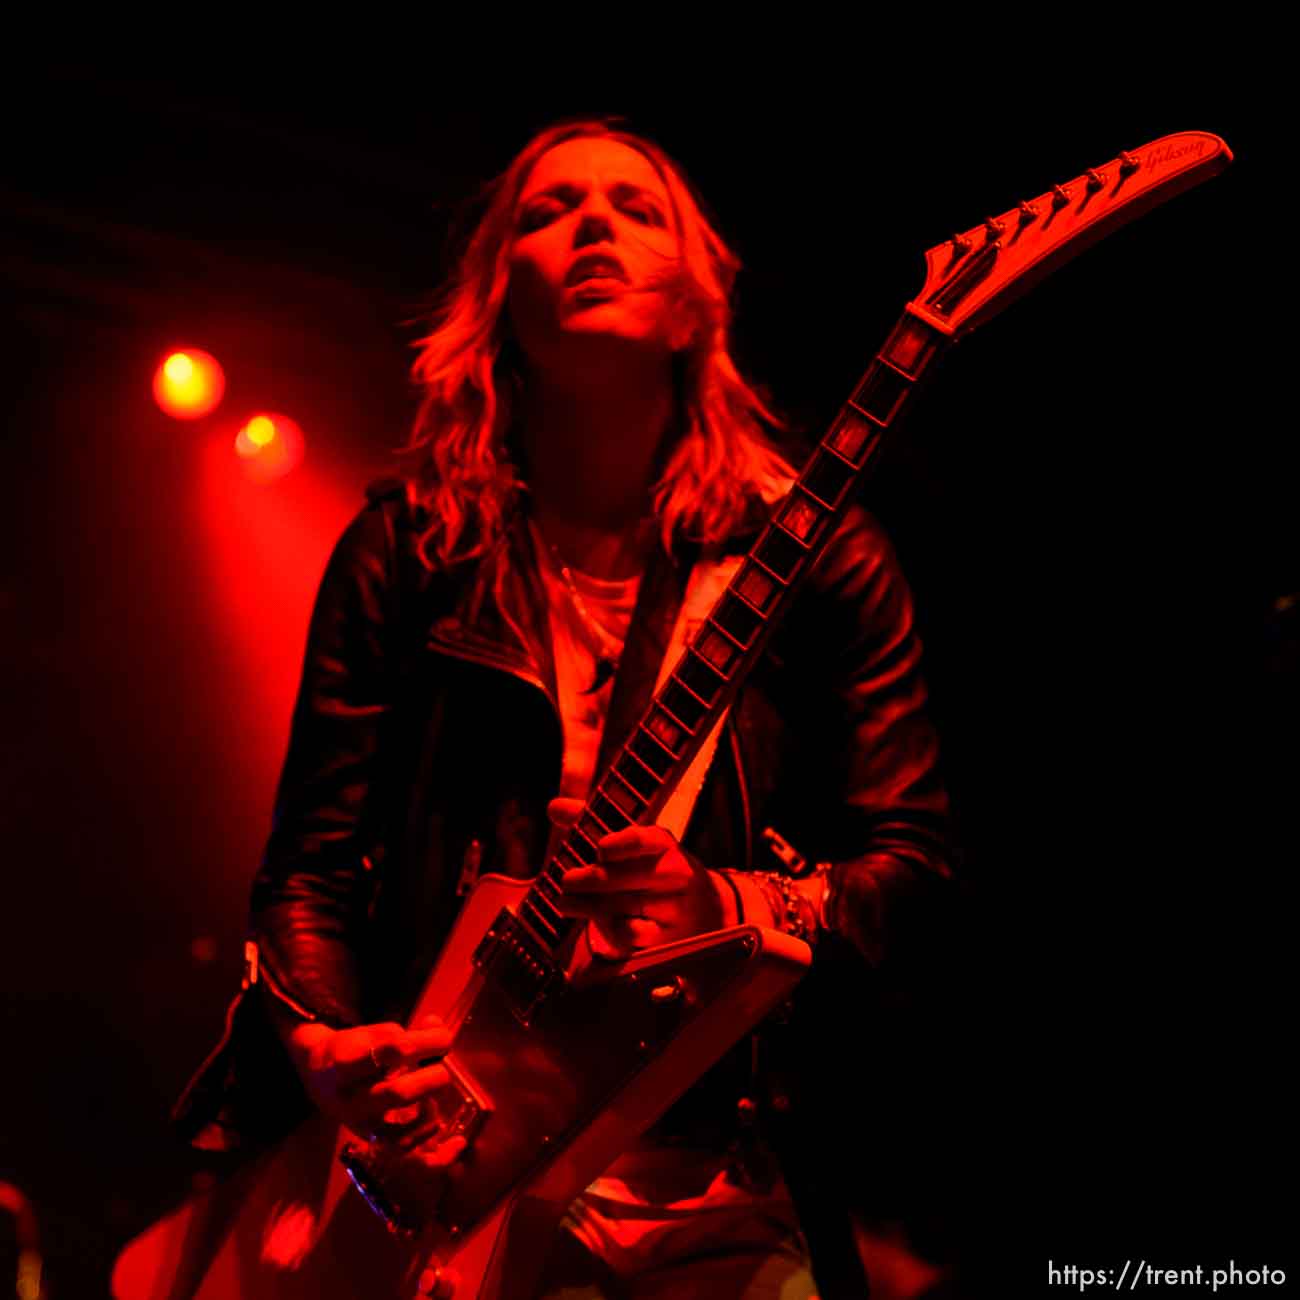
(260, 430)
(203, 949)
(189, 384)
(270, 446)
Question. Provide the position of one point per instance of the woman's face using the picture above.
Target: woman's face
(594, 229)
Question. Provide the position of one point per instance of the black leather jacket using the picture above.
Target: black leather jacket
(426, 733)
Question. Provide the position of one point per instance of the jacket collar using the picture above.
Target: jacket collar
(499, 618)
(497, 615)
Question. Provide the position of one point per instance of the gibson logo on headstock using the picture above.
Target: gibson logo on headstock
(1170, 152)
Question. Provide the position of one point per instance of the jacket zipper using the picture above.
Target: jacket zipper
(257, 970)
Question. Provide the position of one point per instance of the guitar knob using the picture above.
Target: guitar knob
(669, 992)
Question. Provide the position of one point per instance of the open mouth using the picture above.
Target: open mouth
(596, 266)
(598, 286)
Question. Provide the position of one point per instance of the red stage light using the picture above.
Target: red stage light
(189, 384)
(270, 446)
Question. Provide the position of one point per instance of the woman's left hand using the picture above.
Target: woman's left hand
(644, 890)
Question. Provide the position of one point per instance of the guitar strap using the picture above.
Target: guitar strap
(709, 577)
(653, 646)
(656, 640)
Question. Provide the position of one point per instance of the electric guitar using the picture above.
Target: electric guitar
(554, 1074)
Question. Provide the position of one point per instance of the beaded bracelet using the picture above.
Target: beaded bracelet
(792, 911)
(775, 901)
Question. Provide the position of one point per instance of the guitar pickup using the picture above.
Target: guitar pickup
(512, 957)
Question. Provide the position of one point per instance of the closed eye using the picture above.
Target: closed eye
(646, 213)
(536, 217)
(631, 200)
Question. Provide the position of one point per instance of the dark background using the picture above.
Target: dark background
(1093, 502)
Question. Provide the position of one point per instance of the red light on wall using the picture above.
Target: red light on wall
(189, 384)
(269, 446)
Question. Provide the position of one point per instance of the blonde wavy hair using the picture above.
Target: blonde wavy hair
(467, 470)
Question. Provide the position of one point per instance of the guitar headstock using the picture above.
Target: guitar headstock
(978, 272)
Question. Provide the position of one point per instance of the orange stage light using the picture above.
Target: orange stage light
(189, 384)
(270, 446)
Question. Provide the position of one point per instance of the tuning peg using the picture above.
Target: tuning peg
(1060, 197)
(993, 228)
(960, 245)
(1128, 164)
(1028, 214)
(1096, 180)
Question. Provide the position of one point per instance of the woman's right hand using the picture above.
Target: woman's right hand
(376, 1080)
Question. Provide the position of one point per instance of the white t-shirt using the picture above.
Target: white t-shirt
(609, 604)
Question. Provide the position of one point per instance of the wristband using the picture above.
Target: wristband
(735, 889)
(823, 872)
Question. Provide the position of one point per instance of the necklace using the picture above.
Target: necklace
(606, 649)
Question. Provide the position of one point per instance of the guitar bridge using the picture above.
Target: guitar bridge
(512, 957)
(461, 1108)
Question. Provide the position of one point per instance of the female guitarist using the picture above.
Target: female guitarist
(488, 629)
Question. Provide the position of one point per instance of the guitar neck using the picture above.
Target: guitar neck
(971, 278)
(731, 639)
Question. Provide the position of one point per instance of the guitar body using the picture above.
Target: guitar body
(291, 1225)
(550, 1098)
